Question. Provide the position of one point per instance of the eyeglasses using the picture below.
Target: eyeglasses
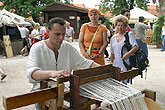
(93, 14)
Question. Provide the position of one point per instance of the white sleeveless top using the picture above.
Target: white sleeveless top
(163, 30)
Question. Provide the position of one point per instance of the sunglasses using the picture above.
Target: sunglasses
(93, 14)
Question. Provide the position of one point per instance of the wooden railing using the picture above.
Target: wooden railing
(149, 36)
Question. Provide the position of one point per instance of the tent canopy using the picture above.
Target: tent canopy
(136, 13)
(9, 19)
(0, 25)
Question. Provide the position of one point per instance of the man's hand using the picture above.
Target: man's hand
(54, 74)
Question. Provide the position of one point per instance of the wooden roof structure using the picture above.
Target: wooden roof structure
(73, 14)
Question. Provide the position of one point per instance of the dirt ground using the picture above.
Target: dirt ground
(17, 83)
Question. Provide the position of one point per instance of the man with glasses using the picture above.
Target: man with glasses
(126, 12)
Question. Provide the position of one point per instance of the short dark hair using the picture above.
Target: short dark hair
(57, 20)
(124, 10)
(141, 18)
(44, 24)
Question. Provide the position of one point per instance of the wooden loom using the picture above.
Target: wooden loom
(57, 95)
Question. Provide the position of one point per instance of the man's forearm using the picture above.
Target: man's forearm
(93, 65)
(41, 75)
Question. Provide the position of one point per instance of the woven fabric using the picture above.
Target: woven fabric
(115, 93)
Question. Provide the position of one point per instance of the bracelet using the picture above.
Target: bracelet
(97, 55)
(132, 52)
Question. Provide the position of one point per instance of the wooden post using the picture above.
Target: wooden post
(74, 92)
(60, 99)
(43, 85)
(7, 45)
(150, 94)
(46, 18)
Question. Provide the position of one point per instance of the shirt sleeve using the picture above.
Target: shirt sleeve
(19, 28)
(132, 39)
(26, 30)
(83, 27)
(32, 64)
(79, 61)
(104, 28)
(144, 26)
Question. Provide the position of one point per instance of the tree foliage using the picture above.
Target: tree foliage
(115, 6)
(158, 29)
(28, 8)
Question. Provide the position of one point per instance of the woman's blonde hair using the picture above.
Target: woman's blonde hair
(36, 24)
(122, 19)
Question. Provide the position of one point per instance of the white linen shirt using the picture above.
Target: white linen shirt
(43, 58)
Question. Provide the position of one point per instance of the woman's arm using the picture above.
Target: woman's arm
(112, 58)
(81, 45)
(132, 51)
(104, 43)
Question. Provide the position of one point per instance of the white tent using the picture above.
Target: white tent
(0, 25)
(9, 19)
(136, 13)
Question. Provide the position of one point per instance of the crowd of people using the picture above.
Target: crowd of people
(50, 56)
(94, 37)
(55, 57)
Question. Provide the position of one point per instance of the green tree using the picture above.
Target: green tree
(115, 6)
(158, 29)
(161, 7)
(28, 8)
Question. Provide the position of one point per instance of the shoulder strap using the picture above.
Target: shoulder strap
(127, 43)
(89, 49)
(128, 46)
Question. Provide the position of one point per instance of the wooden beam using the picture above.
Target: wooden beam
(63, 79)
(89, 103)
(30, 98)
(95, 78)
(86, 73)
(129, 74)
(150, 94)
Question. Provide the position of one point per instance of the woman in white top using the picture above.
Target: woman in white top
(35, 35)
(163, 37)
(117, 42)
